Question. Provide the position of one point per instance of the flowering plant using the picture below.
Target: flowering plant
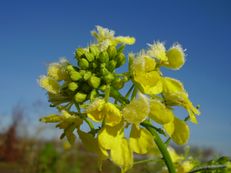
(89, 92)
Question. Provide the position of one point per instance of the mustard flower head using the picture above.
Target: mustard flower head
(91, 92)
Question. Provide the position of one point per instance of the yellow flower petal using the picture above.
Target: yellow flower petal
(109, 136)
(141, 141)
(122, 155)
(174, 156)
(185, 167)
(112, 114)
(175, 95)
(169, 128)
(149, 64)
(157, 50)
(49, 84)
(147, 80)
(176, 57)
(173, 86)
(94, 110)
(137, 110)
(125, 40)
(92, 145)
(181, 131)
(160, 113)
(53, 118)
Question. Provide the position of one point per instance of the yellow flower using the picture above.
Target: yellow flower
(141, 141)
(100, 111)
(58, 70)
(49, 84)
(175, 95)
(65, 121)
(112, 139)
(157, 50)
(178, 130)
(185, 167)
(106, 38)
(92, 145)
(144, 75)
(137, 110)
(176, 57)
(159, 112)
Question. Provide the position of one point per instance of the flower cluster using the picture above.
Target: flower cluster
(88, 93)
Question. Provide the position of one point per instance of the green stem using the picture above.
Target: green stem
(129, 91)
(85, 118)
(107, 93)
(144, 161)
(135, 90)
(208, 168)
(162, 147)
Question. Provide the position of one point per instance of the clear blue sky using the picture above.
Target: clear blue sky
(34, 33)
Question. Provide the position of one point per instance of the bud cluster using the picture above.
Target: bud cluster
(95, 70)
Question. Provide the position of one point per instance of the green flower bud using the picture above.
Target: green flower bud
(109, 78)
(79, 52)
(94, 81)
(93, 95)
(94, 65)
(83, 63)
(75, 76)
(87, 75)
(80, 97)
(103, 57)
(104, 71)
(70, 68)
(118, 83)
(89, 56)
(103, 87)
(121, 59)
(94, 50)
(82, 72)
(111, 65)
(111, 50)
(72, 86)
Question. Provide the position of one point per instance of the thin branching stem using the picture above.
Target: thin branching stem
(208, 168)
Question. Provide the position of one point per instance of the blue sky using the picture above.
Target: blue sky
(35, 33)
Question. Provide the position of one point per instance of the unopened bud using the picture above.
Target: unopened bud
(94, 50)
(103, 57)
(83, 63)
(70, 68)
(79, 52)
(75, 76)
(118, 83)
(89, 56)
(94, 81)
(93, 95)
(121, 59)
(72, 86)
(111, 50)
(87, 75)
(109, 78)
(104, 71)
(103, 87)
(80, 97)
(112, 65)
(94, 65)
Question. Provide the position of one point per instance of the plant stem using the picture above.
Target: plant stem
(208, 167)
(129, 91)
(144, 161)
(162, 147)
(84, 118)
